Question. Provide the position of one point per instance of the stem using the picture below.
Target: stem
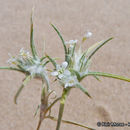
(39, 124)
(11, 68)
(43, 106)
(55, 101)
(70, 122)
(61, 109)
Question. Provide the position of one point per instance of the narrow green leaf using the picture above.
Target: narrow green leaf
(71, 122)
(63, 42)
(33, 49)
(83, 90)
(92, 50)
(42, 58)
(70, 55)
(83, 56)
(45, 63)
(21, 67)
(51, 60)
(38, 107)
(73, 49)
(26, 80)
(107, 75)
(12, 68)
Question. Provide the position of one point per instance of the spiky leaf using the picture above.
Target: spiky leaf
(107, 75)
(83, 89)
(12, 68)
(26, 80)
(51, 60)
(93, 49)
(63, 42)
(33, 49)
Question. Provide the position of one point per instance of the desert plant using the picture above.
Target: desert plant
(76, 67)
(69, 74)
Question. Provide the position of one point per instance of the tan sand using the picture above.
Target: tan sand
(105, 18)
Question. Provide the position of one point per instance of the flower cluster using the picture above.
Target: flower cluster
(31, 65)
(75, 66)
(24, 61)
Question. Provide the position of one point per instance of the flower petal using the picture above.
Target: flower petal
(60, 76)
(55, 73)
(67, 72)
(71, 41)
(64, 64)
(88, 34)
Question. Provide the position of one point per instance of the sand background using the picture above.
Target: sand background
(105, 18)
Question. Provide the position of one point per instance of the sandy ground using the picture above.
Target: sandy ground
(105, 18)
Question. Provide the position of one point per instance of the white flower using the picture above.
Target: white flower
(12, 60)
(64, 74)
(71, 42)
(24, 54)
(60, 69)
(88, 35)
(67, 73)
(64, 64)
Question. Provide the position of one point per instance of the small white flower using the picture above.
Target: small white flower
(64, 64)
(55, 73)
(88, 35)
(61, 70)
(12, 60)
(71, 42)
(24, 54)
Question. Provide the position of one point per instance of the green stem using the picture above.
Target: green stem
(70, 122)
(11, 68)
(61, 109)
